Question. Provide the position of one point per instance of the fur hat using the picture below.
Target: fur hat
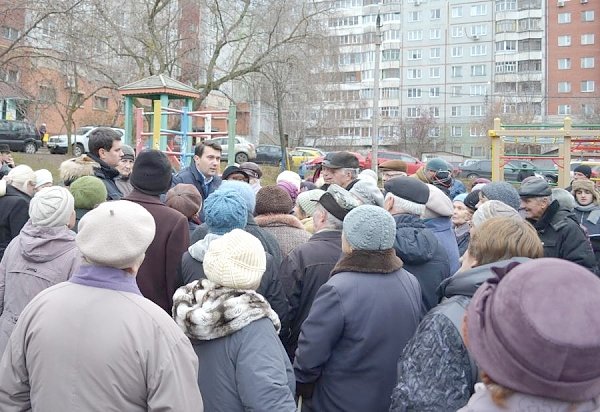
(224, 211)
(586, 185)
(289, 176)
(151, 173)
(308, 201)
(273, 200)
(493, 208)
(367, 192)
(42, 177)
(128, 152)
(184, 198)
(438, 204)
(242, 189)
(338, 201)
(410, 194)
(237, 260)
(502, 191)
(20, 176)
(51, 207)
(88, 192)
(584, 170)
(126, 221)
(565, 199)
(72, 169)
(535, 329)
(369, 227)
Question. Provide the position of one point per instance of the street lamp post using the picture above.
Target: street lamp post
(375, 118)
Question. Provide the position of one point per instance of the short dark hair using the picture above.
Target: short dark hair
(102, 138)
(199, 149)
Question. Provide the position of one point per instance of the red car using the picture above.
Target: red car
(412, 163)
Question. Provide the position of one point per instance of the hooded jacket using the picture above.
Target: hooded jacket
(14, 213)
(442, 229)
(435, 372)
(35, 260)
(422, 255)
(589, 217)
(108, 175)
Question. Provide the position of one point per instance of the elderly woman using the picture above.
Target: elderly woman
(461, 222)
(534, 331)
(42, 255)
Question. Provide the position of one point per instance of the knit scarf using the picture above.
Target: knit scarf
(206, 311)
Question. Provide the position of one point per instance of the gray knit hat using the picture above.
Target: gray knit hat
(308, 201)
(493, 208)
(369, 227)
(367, 192)
(504, 192)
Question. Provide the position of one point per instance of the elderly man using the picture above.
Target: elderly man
(94, 343)
(106, 150)
(308, 266)
(125, 167)
(392, 168)
(340, 168)
(557, 228)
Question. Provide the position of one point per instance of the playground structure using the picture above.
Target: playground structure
(570, 138)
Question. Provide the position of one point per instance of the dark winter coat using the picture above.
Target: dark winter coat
(589, 217)
(192, 176)
(422, 255)
(14, 213)
(435, 372)
(287, 230)
(563, 238)
(442, 228)
(303, 272)
(270, 284)
(108, 175)
(355, 332)
(268, 240)
(463, 236)
(157, 277)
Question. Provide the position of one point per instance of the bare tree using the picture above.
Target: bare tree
(417, 132)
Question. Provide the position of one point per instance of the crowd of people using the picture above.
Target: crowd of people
(127, 287)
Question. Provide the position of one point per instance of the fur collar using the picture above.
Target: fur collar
(278, 220)
(207, 311)
(366, 261)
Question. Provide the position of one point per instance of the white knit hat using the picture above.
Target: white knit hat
(308, 201)
(439, 204)
(51, 207)
(289, 176)
(236, 260)
(19, 176)
(42, 177)
(115, 234)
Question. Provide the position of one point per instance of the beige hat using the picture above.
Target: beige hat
(236, 260)
(115, 234)
(42, 177)
(289, 176)
(51, 207)
(438, 204)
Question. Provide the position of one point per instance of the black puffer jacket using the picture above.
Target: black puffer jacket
(589, 217)
(563, 238)
(422, 255)
(435, 372)
(108, 175)
(14, 213)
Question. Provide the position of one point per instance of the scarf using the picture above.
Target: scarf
(207, 311)
(106, 278)
(462, 229)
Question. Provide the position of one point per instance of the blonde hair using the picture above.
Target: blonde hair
(20, 176)
(501, 238)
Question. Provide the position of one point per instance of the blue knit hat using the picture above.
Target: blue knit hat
(243, 189)
(369, 227)
(504, 192)
(460, 197)
(224, 211)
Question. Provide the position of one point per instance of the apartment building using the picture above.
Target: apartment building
(573, 56)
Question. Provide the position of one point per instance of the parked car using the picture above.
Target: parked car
(60, 143)
(483, 168)
(268, 154)
(318, 160)
(304, 155)
(412, 163)
(244, 150)
(594, 165)
(19, 136)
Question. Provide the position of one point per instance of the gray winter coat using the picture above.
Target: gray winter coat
(35, 260)
(355, 332)
(435, 372)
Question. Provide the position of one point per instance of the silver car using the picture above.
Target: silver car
(244, 150)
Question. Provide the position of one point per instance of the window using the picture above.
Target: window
(530, 23)
(587, 38)
(506, 67)
(413, 112)
(587, 109)
(414, 16)
(506, 46)
(414, 73)
(100, 103)
(434, 92)
(76, 99)
(564, 109)
(479, 50)
(456, 12)
(477, 110)
(9, 75)
(392, 35)
(564, 18)
(434, 131)
(530, 45)
(436, 14)
(414, 54)
(587, 62)
(479, 30)
(587, 86)
(457, 31)
(413, 93)
(477, 90)
(477, 151)
(475, 131)
(457, 51)
(506, 26)
(506, 5)
(434, 53)
(456, 131)
(565, 40)
(435, 34)
(455, 111)
(434, 111)
(564, 64)
(47, 94)
(414, 35)
(587, 15)
(392, 73)
(343, 21)
(564, 87)
(479, 10)
(530, 66)
(478, 70)
(390, 92)
(10, 33)
(434, 72)
(391, 55)
(456, 91)
(456, 71)
(390, 111)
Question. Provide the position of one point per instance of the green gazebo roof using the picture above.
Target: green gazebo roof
(157, 85)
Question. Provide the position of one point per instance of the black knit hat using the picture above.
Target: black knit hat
(151, 173)
(472, 199)
(232, 170)
(408, 188)
(584, 170)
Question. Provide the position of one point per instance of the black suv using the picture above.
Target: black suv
(19, 136)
